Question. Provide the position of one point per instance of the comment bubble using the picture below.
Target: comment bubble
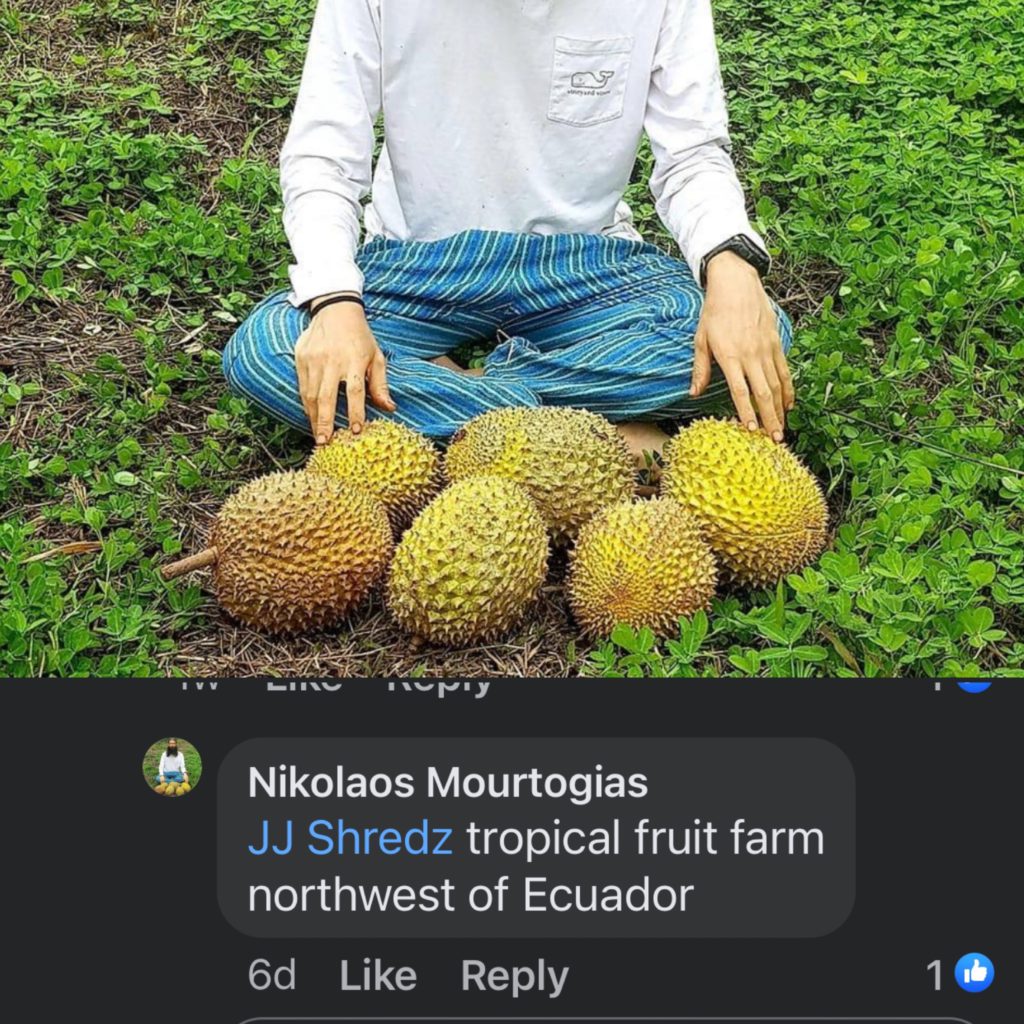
(520, 838)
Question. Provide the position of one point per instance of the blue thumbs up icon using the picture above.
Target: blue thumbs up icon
(974, 687)
(974, 972)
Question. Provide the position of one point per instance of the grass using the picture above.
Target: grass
(881, 148)
(193, 762)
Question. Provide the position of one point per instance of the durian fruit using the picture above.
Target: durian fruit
(571, 461)
(161, 788)
(185, 787)
(470, 564)
(399, 467)
(642, 563)
(171, 789)
(761, 511)
(295, 551)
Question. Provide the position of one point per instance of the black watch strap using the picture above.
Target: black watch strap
(744, 247)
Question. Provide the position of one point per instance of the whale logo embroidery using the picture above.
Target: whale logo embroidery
(591, 79)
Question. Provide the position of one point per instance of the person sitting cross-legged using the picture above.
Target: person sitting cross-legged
(172, 764)
(510, 131)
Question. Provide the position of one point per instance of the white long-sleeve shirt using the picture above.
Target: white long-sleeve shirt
(171, 763)
(504, 115)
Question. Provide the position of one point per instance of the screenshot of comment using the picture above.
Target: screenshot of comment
(696, 850)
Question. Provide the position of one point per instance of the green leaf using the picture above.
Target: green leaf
(918, 479)
(698, 628)
(811, 653)
(977, 620)
(981, 573)
(891, 638)
(749, 663)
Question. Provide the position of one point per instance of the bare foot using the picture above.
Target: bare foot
(450, 364)
(642, 437)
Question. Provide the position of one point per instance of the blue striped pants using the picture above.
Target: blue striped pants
(600, 323)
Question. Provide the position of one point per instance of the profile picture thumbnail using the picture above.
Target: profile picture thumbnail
(172, 767)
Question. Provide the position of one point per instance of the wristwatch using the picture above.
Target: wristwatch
(744, 247)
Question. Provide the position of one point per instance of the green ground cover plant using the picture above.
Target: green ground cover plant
(882, 148)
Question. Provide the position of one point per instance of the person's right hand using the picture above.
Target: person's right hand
(338, 348)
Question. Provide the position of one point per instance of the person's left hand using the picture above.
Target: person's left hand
(738, 330)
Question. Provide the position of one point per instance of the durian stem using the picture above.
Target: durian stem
(199, 560)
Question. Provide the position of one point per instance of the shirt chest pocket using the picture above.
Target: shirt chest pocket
(588, 79)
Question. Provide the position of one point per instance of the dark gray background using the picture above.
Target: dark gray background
(111, 895)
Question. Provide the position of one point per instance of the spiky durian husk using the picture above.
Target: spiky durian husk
(642, 563)
(470, 564)
(395, 464)
(762, 512)
(297, 551)
(571, 461)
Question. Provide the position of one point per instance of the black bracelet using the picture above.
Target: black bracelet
(333, 299)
